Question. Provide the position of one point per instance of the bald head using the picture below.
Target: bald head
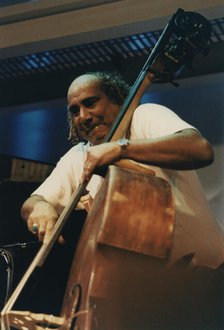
(111, 84)
(83, 81)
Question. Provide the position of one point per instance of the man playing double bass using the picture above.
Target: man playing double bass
(157, 137)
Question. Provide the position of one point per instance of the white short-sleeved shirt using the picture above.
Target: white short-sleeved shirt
(196, 230)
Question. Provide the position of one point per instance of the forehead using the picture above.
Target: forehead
(85, 83)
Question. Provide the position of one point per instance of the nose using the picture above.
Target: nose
(85, 116)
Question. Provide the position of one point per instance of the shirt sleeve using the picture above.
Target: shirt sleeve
(58, 188)
(63, 180)
(154, 120)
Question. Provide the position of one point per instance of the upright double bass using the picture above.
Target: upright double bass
(106, 279)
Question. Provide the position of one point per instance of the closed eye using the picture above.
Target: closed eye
(87, 102)
(90, 101)
(74, 109)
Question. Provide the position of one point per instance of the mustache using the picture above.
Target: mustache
(89, 127)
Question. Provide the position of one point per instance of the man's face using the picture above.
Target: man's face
(93, 112)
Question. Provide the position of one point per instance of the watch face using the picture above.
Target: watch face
(123, 143)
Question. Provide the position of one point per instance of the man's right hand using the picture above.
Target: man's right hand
(40, 217)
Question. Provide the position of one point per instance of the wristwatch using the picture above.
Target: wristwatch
(123, 143)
